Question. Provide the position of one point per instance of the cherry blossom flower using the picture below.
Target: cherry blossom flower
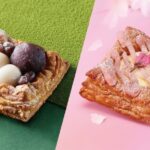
(120, 8)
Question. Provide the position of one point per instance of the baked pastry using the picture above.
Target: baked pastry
(122, 80)
(22, 100)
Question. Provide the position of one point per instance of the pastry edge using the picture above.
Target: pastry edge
(121, 105)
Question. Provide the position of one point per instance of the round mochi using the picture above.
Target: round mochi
(9, 74)
(4, 60)
(29, 57)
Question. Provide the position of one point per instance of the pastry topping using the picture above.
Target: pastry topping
(131, 87)
(3, 36)
(141, 41)
(29, 57)
(126, 43)
(148, 43)
(131, 50)
(9, 74)
(108, 71)
(116, 57)
(25, 57)
(3, 59)
(124, 73)
(27, 77)
(126, 63)
(142, 60)
(142, 74)
(1, 48)
(142, 82)
(8, 48)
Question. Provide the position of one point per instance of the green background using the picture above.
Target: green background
(58, 25)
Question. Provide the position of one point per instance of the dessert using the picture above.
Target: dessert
(28, 76)
(122, 80)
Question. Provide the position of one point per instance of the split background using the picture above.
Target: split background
(58, 25)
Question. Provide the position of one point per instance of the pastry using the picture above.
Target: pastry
(122, 79)
(35, 74)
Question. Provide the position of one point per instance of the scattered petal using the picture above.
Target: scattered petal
(135, 4)
(119, 9)
(97, 118)
(145, 8)
(95, 45)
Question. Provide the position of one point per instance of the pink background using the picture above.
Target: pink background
(116, 132)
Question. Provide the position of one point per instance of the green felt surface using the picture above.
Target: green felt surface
(58, 25)
(40, 133)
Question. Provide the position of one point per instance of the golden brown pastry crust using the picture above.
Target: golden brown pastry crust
(129, 98)
(23, 101)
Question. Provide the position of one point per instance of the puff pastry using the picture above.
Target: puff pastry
(23, 101)
(122, 80)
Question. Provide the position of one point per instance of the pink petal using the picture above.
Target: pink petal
(145, 7)
(135, 4)
(119, 9)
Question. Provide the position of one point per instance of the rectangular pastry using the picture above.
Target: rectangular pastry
(39, 73)
(122, 80)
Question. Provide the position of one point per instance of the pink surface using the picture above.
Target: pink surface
(117, 132)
